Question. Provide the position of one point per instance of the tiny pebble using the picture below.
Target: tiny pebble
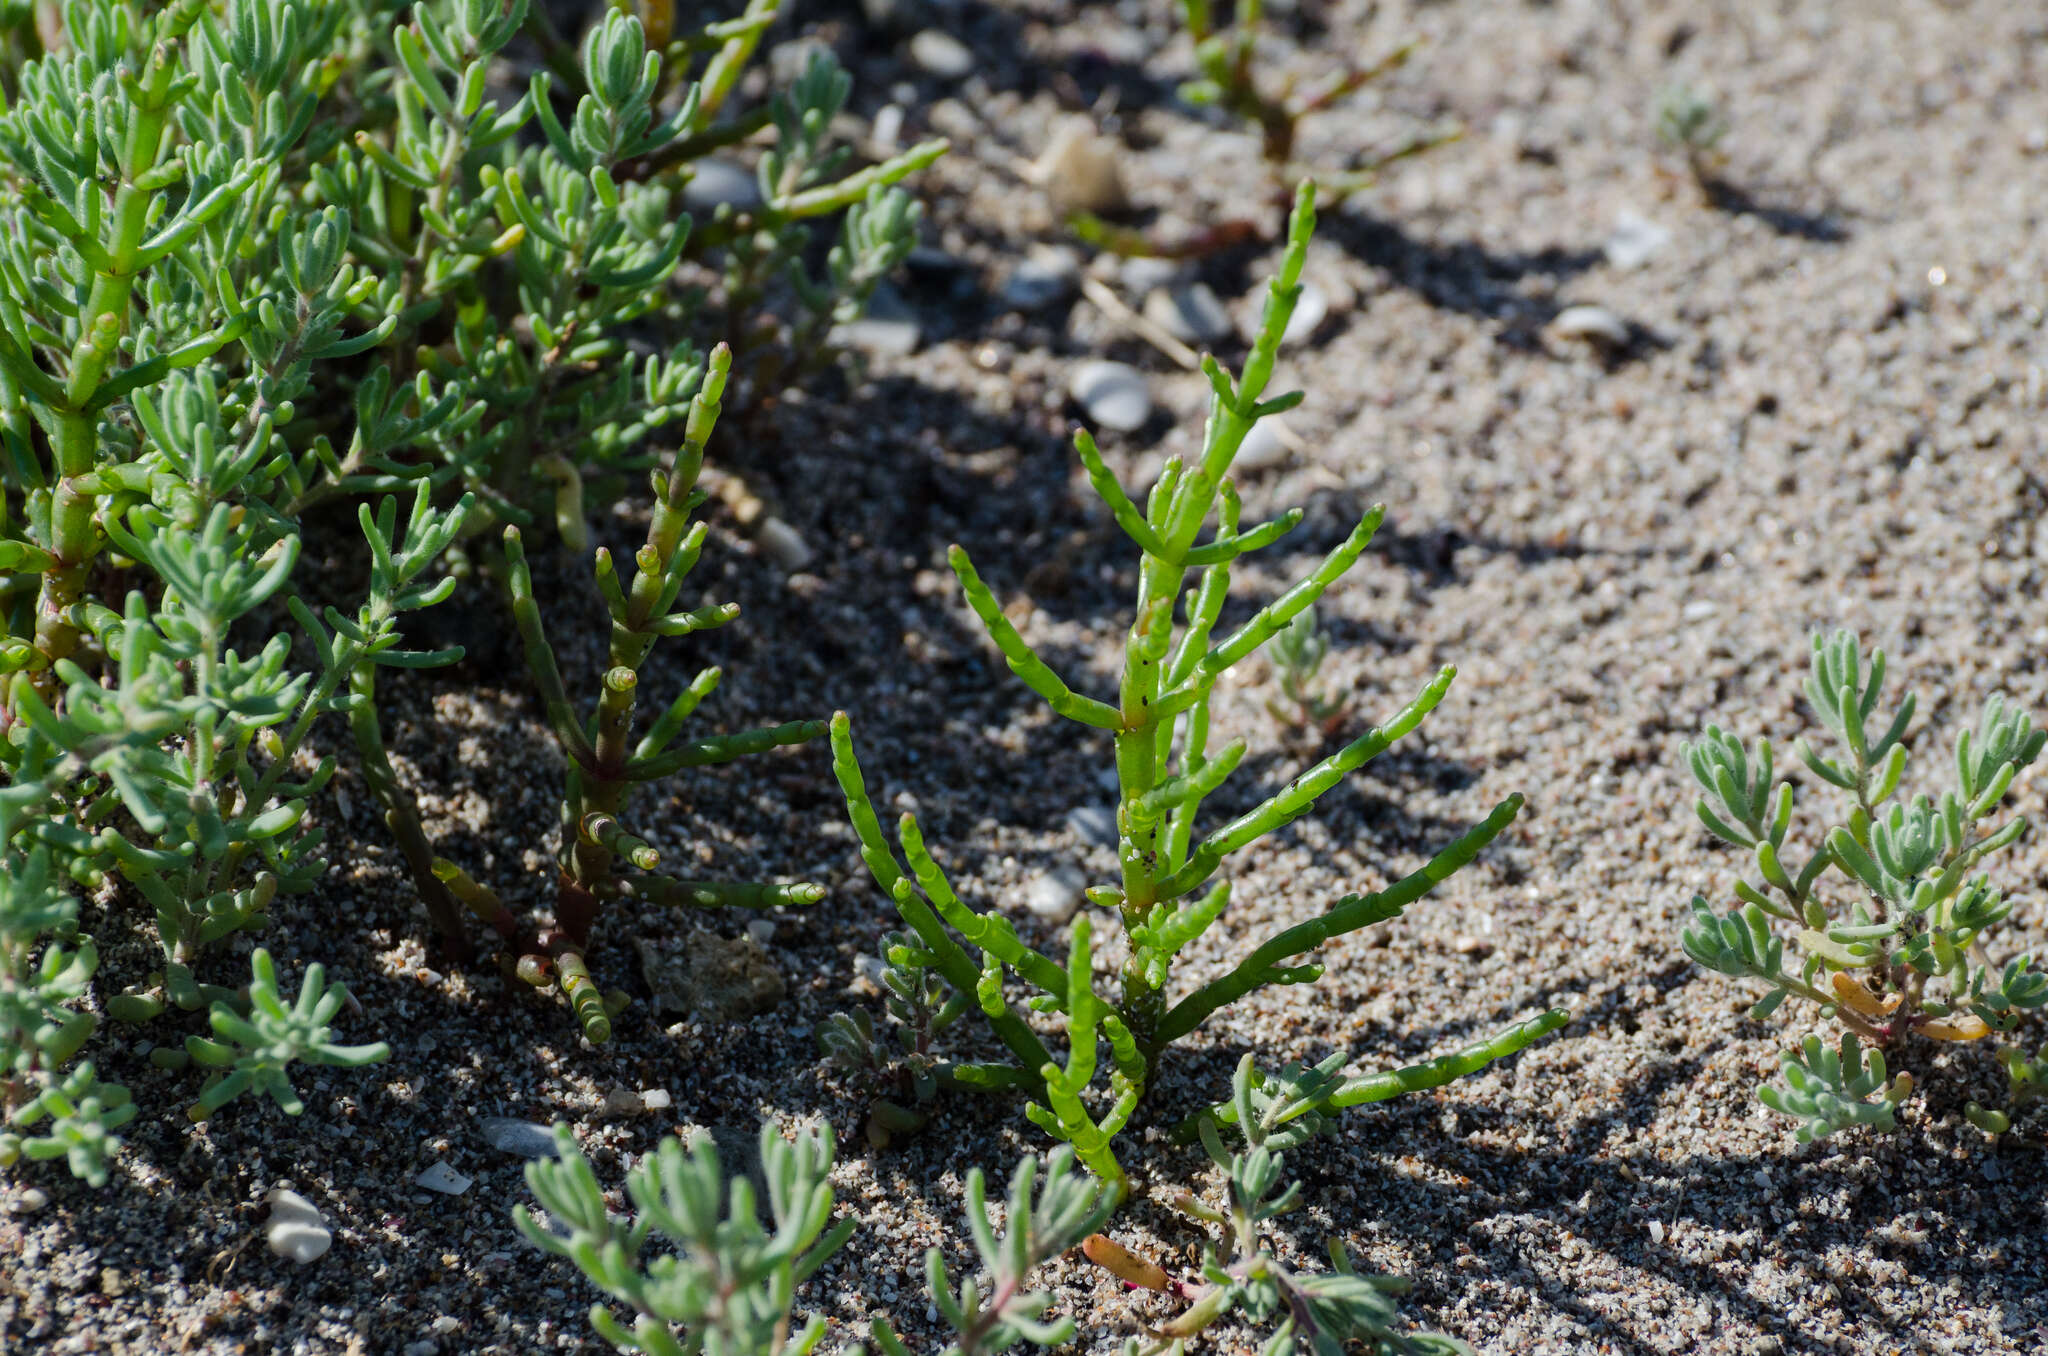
(295, 1228)
(443, 1179)
(887, 132)
(1054, 895)
(1263, 447)
(518, 1137)
(1633, 240)
(939, 53)
(1590, 322)
(446, 1324)
(1094, 824)
(1656, 1231)
(782, 544)
(29, 1200)
(1145, 273)
(761, 930)
(623, 1102)
(1190, 313)
(1472, 946)
(889, 329)
(656, 1099)
(1700, 611)
(718, 183)
(1113, 394)
(1045, 278)
(426, 1346)
(1311, 308)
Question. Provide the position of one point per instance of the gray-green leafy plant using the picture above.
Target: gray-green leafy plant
(1323, 1312)
(1298, 653)
(730, 1285)
(605, 761)
(900, 1076)
(1165, 769)
(992, 1315)
(261, 256)
(258, 1040)
(1889, 921)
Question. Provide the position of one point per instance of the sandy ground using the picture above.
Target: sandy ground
(1831, 412)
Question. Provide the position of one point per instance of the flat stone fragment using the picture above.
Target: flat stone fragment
(443, 1179)
(509, 1135)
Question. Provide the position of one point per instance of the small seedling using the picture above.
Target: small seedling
(1689, 122)
(1297, 654)
(1242, 1273)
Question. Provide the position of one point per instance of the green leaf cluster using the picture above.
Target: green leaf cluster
(1900, 949)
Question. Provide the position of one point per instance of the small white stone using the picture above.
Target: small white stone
(889, 329)
(1113, 394)
(1700, 611)
(887, 133)
(1656, 1231)
(29, 1200)
(939, 53)
(1054, 895)
(443, 1179)
(295, 1228)
(1190, 313)
(717, 183)
(1081, 169)
(782, 544)
(1311, 308)
(1263, 448)
(1633, 240)
(656, 1099)
(1596, 323)
(446, 1324)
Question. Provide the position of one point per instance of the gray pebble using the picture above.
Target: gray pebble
(524, 1138)
(717, 183)
(1081, 170)
(939, 53)
(1054, 895)
(889, 329)
(1046, 278)
(29, 1200)
(782, 544)
(1113, 394)
(1093, 824)
(1190, 313)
